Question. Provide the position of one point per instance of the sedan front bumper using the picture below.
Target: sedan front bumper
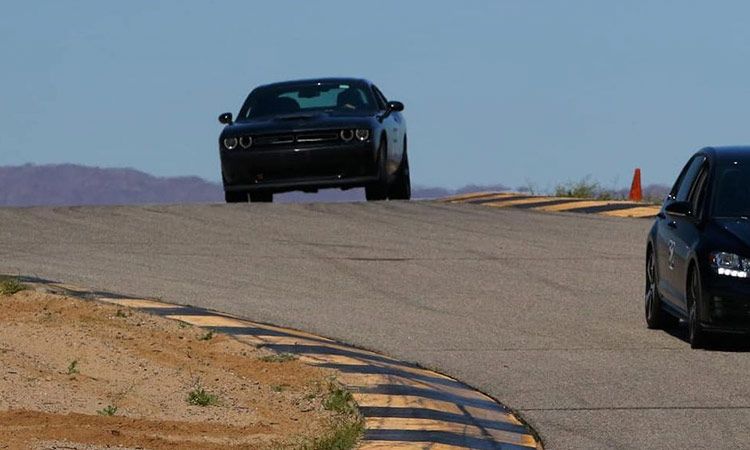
(728, 304)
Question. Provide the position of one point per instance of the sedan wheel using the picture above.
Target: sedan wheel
(697, 334)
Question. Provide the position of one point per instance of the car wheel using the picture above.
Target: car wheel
(235, 197)
(261, 197)
(401, 189)
(697, 334)
(379, 189)
(656, 317)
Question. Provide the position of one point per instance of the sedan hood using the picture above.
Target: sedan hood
(738, 229)
(300, 122)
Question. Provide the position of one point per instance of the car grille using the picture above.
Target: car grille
(313, 137)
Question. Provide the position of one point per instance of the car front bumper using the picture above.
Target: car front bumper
(728, 306)
(310, 168)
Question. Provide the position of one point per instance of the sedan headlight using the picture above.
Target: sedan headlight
(230, 143)
(730, 264)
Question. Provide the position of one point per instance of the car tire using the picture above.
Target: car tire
(696, 333)
(656, 317)
(261, 197)
(378, 190)
(401, 188)
(235, 197)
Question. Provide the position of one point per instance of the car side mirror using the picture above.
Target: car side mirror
(395, 106)
(226, 118)
(679, 209)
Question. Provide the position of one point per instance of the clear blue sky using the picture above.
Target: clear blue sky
(495, 91)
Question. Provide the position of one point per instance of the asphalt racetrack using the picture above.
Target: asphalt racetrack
(542, 311)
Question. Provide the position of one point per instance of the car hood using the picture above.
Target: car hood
(300, 122)
(736, 230)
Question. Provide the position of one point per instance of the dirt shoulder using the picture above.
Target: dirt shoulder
(78, 374)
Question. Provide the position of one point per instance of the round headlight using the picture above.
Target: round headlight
(362, 135)
(246, 141)
(230, 143)
(347, 135)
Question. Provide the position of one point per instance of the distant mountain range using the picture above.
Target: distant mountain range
(71, 184)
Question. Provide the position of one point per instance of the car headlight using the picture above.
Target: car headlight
(246, 141)
(230, 143)
(362, 135)
(347, 135)
(730, 264)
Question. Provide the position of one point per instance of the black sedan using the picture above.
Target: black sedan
(698, 252)
(313, 134)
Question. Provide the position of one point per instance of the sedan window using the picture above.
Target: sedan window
(698, 194)
(684, 186)
(732, 198)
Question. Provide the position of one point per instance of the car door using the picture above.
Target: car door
(687, 233)
(394, 127)
(672, 235)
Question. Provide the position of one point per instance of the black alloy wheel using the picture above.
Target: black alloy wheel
(401, 188)
(651, 296)
(378, 190)
(697, 334)
(656, 317)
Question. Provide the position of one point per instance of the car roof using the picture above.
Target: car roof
(341, 80)
(727, 152)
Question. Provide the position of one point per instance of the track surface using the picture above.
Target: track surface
(542, 311)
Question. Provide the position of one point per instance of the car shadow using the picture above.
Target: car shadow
(719, 342)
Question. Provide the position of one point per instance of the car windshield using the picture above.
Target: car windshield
(732, 194)
(307, 98)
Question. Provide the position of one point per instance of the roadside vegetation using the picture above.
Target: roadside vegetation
(10, 285)
(200, 397)
(108, 411)
(73, 367)
(583, 188)
(587, 187)
(207, 336)
(348, 425)
(279, 358)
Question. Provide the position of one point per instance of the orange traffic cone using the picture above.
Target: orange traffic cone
(636, 194)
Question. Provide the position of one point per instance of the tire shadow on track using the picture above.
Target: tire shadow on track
(719, 342)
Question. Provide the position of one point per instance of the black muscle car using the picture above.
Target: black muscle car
(698, 251)
(314, 134)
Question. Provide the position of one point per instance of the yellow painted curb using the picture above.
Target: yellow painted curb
(404, 406)
(471, 196)
(611, 208)
(516, 202)
(642, 211)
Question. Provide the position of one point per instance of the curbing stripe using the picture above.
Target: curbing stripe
(572, 205)
(639, 211)
(549, 201)
(522, 201)
(609, 207)
(496, 198)
(404, 406)
(473, 195)
(612, 208)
